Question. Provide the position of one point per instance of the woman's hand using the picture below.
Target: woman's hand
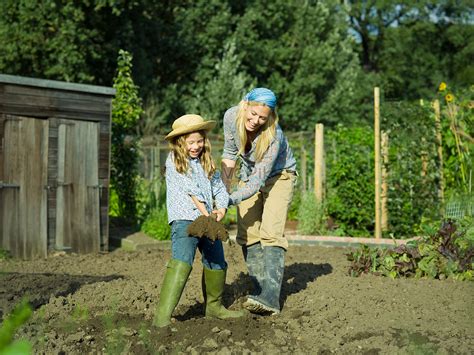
(220, 213)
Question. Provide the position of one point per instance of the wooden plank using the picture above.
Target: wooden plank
(60, 105)
(24, 220)
(52, 178)
(78, 226)
(54, 84)
(41, 112)
(2, 142)
(55, 95)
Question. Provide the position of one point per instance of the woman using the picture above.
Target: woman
(263, 196)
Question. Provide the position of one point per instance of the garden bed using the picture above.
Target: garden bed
(105, 302)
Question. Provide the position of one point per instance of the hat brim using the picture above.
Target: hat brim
(205, 126)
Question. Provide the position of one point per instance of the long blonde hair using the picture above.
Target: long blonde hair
(181, 157)
(267, 130)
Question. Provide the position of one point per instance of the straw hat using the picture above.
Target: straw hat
(189, 123)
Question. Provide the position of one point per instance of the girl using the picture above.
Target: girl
(192, 187)
(267, 179)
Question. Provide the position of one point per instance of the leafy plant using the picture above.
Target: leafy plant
(349, 176)
(4, 254)
(126, 110)
(311, 215)
(230, 216)
(457, 122)
(19, 316)
(449, 253)
(156, 224)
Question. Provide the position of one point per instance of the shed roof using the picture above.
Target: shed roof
(54, 84)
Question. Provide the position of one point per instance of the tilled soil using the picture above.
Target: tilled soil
(104, 304)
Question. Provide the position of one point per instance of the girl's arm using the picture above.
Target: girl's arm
(220, 195)
(200, 206)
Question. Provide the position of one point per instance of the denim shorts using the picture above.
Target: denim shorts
(183, 247)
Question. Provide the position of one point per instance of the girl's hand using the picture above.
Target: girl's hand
(220, 213)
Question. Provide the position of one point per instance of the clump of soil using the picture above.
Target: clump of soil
(207, 226)
(105, 303)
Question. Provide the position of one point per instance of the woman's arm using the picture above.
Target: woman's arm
(230, 152)
(228, 167)
(259, 175)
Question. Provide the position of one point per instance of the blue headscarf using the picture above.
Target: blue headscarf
(263, 95)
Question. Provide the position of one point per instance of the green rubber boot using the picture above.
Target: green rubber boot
(214, 281)
(177, 274)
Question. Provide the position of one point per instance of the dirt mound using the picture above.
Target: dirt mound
(105, 303)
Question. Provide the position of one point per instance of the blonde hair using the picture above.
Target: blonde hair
(267, 130)
(180, 154)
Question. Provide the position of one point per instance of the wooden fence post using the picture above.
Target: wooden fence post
(439, 139)
(303, 163)
(378, 173)
(384, 218)
(319, 162)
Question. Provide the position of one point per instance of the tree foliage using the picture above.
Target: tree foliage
(126, 110)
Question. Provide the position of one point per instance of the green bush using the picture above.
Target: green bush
(230, 217)
(413, 171)
(448, 253)
(349, 179)
(126, 110)
(19, 316)
(156, 224)
(311, 215)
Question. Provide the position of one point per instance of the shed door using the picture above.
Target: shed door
(23, 194)
(77, 219)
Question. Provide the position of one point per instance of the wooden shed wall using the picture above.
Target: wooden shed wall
(55, 101)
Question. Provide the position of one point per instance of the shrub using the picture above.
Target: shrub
(311, 215)
(156, 224)
(448, 253)
(350, 176)
(19, 316)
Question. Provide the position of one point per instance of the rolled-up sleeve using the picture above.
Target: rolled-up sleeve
(230, 150)
(219, 192)
(259, 175)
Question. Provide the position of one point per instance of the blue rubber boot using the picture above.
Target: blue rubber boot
(253, 256)
(268, 301)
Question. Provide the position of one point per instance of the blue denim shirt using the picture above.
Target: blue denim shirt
(180, 188)
(277, 158)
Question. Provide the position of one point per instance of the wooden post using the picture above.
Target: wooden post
(319, 162)
(384, 206)
(424, 158)
(439, 139)
(378, 173)
(303, 163)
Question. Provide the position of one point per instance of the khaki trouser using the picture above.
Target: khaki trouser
(262, 217)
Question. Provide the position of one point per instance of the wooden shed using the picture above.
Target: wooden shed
(54, 166)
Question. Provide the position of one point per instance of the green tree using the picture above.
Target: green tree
(224, 89)
(48, 39)
(303, 52)
(410, 46)
(126, 111)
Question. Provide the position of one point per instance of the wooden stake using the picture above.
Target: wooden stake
(439, 139)
(319, 162)
(384, 206)
(378, 173)
(303, 164)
